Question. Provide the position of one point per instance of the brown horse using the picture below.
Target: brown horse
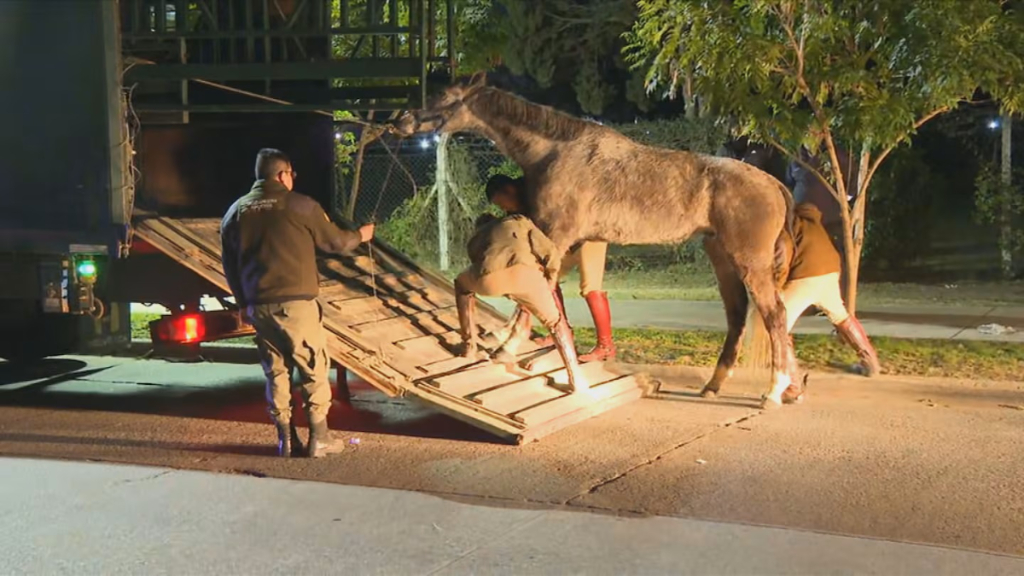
(588, 182)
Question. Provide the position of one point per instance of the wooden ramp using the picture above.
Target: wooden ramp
(395, 325)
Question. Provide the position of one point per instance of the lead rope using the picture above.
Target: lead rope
(373, 218)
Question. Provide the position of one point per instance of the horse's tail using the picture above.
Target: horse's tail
(757, 355)
(784, 242)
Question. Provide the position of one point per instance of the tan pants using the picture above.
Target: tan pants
(820, 291)
(525, 285)
(590, 257)
(290, 336)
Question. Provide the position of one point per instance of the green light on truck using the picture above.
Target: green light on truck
(86, 269)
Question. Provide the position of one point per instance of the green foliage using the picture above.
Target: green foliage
(866, 71)
(993, 198)
(901, 205)
(570, 44)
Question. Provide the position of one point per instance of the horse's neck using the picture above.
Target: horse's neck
(517, 142)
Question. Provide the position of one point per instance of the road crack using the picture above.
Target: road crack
(611, 479)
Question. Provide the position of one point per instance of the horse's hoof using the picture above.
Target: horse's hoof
(794, 399)
(709, 393)
(770, 403)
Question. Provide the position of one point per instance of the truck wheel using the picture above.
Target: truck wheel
(28, 334)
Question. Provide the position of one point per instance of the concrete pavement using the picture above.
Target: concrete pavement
(935, 322)
(82, 519)
(901, 459)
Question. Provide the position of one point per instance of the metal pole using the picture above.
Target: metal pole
(1005, 216)
(441, 181)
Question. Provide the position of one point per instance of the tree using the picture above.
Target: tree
(862, 75)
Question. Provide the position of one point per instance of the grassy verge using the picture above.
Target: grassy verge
(685, 283)
(941, 358)
(689, 283)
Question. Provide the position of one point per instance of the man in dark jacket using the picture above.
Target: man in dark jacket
(269, 239)
(814, 281)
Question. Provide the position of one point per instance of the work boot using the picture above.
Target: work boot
(853, 333)
(288, 442)
(506, 353)
(549, 340)
(321, 441)
(562, 335)
(466, 305)
(599, 309)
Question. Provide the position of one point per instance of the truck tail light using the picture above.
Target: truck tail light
(180, 329)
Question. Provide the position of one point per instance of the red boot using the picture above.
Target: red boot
(853, 333)
(549, 340)
(605, 349)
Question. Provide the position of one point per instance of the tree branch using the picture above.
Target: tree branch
(881, 156)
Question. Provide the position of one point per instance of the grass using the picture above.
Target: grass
(941, 358)
(977, 360)
(680, 282)
(686, 283)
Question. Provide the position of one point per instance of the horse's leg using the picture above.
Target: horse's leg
(734, 297)
(761, 284)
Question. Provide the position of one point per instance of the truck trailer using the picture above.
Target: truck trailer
(130, 126)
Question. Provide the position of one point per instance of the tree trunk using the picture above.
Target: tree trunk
(1006, 202)
(365, 137)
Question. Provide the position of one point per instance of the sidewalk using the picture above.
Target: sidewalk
(78, 518)
(935, 322)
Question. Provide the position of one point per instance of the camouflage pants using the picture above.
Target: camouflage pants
(290, 336)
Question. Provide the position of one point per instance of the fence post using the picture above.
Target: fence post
(442, 181)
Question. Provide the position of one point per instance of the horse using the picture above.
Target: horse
(587, 182)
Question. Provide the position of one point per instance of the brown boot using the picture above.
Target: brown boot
(288, 442)
(321, 441)
(562, 335)
(853, 333)
(465, 303)
(549, 340)
(599, 309)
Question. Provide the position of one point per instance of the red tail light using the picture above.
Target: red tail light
(185, 329)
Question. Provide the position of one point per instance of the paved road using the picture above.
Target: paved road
(74, 518)
(906, 460)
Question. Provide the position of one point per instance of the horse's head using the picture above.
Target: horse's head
(446, 112)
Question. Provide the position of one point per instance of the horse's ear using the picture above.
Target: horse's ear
(478, 80)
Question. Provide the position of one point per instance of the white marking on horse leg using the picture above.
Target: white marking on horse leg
(781, 382)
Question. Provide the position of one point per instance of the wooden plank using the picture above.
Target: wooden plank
(432, 348)
(538, 415)
(518, 396)
(539, 431)
(477, 379)
(411, 326)
(469, 413)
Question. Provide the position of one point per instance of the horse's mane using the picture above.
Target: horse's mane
(540, 119)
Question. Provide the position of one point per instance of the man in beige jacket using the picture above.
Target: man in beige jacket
(511, 257)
